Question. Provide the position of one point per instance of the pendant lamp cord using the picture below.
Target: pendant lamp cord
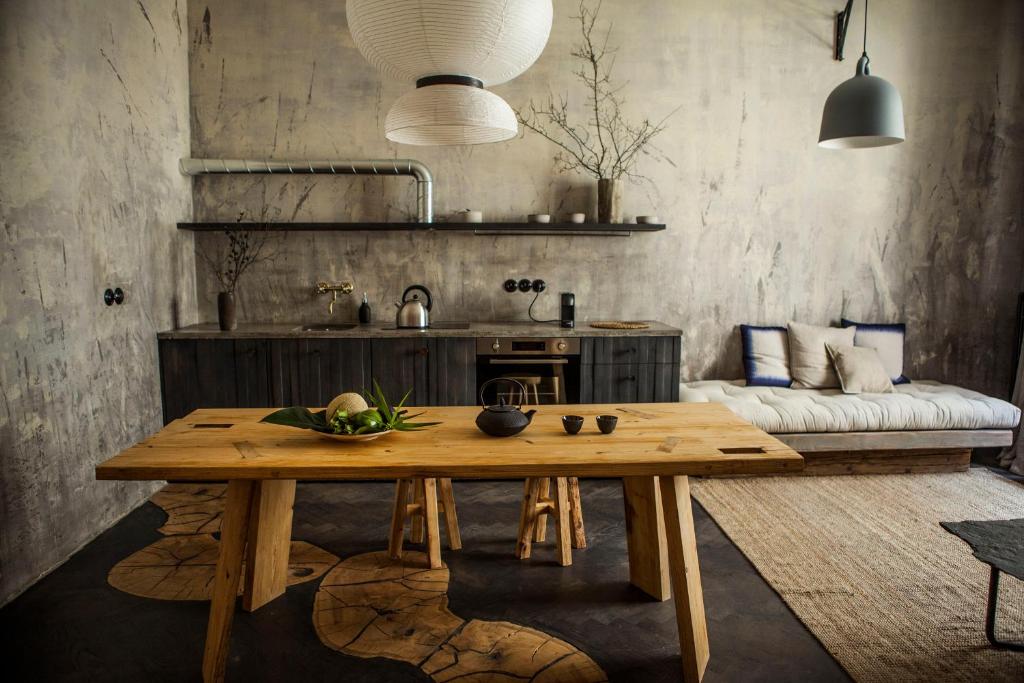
(865, 28)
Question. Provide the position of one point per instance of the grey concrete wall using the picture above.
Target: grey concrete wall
(93, 117)
(763, 225)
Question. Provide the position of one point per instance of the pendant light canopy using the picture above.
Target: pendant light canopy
(865, 111)
(452, 50)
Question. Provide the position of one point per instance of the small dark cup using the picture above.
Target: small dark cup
(606, 423)
(572, 423)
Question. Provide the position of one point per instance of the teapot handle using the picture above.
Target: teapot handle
(507, 380)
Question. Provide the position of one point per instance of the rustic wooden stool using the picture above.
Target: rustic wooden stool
(417, 499)
(538, 503)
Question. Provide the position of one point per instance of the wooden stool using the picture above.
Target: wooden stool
(564, 505)
(530, 383)
(417, 499)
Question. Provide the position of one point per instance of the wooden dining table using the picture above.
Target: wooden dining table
(654, 450)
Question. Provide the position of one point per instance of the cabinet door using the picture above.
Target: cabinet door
(624, 383)
(399, 365)
(310, 372)
(252, 374)
(197, 373)
(636, 350)
(453, 372)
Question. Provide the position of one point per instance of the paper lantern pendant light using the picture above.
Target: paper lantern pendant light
(452, 50)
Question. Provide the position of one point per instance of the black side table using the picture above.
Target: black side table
(1000, 545)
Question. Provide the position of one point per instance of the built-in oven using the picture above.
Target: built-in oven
(547, 367)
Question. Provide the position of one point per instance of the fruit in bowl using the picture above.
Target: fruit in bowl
(350, 415)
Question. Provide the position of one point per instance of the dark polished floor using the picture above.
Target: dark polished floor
(72, 626)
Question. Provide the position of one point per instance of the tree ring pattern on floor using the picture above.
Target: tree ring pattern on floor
(191, 508)
(184, 567)
(373, 606)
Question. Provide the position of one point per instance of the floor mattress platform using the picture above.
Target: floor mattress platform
(923, 426)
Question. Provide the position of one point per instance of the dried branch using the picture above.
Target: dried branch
(242, 250)
(606, 145)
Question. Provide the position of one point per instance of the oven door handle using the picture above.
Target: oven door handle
(529, 361)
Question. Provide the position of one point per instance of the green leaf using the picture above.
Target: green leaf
(414, 426)
(300, 417)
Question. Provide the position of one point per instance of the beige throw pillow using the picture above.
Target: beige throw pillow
(809, 363)
(859, 369)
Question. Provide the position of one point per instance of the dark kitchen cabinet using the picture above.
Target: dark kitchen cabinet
(632, 370)
(399, 365)
(453, 372)
(439, 371)
(310, 372)
(213, 373)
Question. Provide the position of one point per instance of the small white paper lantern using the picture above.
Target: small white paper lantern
(452, 49)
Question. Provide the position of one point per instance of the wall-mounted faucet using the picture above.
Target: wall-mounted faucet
(344, 287)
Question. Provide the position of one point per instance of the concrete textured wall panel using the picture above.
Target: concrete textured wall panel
(763, 225)
(93, 117)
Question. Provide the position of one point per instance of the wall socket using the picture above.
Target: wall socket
(525, 284)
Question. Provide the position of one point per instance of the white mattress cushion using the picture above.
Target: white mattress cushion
(922, 405)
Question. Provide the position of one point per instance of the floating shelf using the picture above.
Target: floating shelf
(595, 229)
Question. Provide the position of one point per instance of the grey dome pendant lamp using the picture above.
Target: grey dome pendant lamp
(864, 111)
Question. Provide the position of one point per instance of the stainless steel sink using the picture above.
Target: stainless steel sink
(324, 327)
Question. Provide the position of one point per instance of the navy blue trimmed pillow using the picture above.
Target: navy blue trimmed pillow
(887, 340)
(766, 356)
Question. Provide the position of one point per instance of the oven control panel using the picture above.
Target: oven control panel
(528, 346)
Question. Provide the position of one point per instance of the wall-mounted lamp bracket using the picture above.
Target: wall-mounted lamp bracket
(842, 24)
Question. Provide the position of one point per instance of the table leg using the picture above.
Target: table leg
(990, 616)
(398, 514)
(430, 515)
(685, 572)
(562, 526)
(233, 529)
(270, 537)
(645, 536)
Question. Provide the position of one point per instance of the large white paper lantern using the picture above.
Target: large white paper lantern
(450, 48)
(449, 114)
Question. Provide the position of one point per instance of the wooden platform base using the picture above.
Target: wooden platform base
(911, 461)
(887, 462)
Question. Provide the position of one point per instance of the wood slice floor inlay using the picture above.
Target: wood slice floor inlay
(191, 508)
(373, 606)
(183, 567)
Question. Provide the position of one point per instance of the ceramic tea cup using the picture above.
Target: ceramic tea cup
(572, 423)
(607, 423)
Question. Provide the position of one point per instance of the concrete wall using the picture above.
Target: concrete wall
(93, 117)
(763, 225)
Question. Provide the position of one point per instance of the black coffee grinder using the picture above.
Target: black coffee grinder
(568, 313)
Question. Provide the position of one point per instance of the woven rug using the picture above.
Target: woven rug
(863, 563)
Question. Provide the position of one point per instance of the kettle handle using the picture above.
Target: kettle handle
(507, 380)
(430, 300)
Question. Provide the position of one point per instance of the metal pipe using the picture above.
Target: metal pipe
(409, 167)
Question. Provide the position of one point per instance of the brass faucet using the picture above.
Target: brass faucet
(345, 287)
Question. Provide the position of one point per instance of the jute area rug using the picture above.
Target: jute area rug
(863, 562)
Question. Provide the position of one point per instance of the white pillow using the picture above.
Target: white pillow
(809, 363)
(859, 369)
(765, 356)
(887, 340)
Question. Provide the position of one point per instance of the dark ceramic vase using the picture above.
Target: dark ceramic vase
(226, 311)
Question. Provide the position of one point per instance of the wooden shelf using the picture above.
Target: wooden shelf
(595, 229)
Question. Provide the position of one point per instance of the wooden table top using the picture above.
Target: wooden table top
(652, 439)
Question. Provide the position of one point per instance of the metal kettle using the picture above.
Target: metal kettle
(412, 312)
(503, 419)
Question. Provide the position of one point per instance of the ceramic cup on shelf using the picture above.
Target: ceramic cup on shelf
(469, 216)
(577, 217)
(646, 220)
(539, 218)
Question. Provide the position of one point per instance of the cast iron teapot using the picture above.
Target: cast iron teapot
(503, 419)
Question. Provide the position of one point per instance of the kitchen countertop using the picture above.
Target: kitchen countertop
(384, 330)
